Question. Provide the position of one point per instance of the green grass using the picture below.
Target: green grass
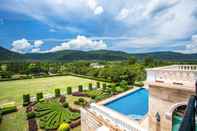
(13, 91)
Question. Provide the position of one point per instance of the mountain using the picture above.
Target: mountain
(69, 55)
(171, 56)
(7, 55)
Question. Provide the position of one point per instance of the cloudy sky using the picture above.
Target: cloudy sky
(127, 25)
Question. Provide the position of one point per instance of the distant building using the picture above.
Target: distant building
(169, 89)
(96, 65)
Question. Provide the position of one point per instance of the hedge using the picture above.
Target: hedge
(57, 93)
(31, 115)
(80, 88)
(69, 90)
(39, 96)
(7, 110)
(90, 86)
(104, 86)
(26, 99)
(98, 85)
(1, 115)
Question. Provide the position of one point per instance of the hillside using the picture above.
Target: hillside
(69, 55)
(7, 55)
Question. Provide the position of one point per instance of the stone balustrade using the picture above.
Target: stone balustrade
(176, 74)
(120, 121)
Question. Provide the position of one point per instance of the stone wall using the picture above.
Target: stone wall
(161, 99)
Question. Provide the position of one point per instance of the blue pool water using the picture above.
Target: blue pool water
(133, 105)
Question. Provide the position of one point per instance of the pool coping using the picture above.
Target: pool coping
(115, 97)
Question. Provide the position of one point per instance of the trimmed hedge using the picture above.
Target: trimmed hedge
(1, 115)
(39, 96)
(90, 86)
(69, 90)
(57, 93)
(52, 114)
(98, 85)
(65, 105)
(104, 86)
(80, 88)
(31, 115)
(26, 99)
(7, 110)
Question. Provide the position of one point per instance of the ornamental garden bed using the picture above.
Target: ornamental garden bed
(51, 114)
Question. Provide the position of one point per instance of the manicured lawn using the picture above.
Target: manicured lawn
(13, 91)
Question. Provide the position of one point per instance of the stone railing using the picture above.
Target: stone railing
(175, 74)
(115, 118)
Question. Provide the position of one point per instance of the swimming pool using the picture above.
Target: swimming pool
(134, 105)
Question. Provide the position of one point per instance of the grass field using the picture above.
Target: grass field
(13, 91)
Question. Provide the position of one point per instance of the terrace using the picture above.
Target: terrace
(175, 76)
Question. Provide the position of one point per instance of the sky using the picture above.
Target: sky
(133, 26)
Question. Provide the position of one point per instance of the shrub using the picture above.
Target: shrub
(124, 85)
(65, 105)
(26, 99)
(79, 94)
(57, 93)
(80, 88)
(1, 115)
(64, 127)
(39, 96)
(69, 90)
(31, 115)
(104, 86)
(75, 123)
(90, 86)
(81, 100)
(7, 110)
(97, 84)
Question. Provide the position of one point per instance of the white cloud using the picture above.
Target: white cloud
(123, 14)
(80, 43)
(36, 50)
(99, 10)
(95, 7)
(20, 45)
(156, 6)
(38, 43)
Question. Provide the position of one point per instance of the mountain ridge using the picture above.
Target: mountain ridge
(70, 55)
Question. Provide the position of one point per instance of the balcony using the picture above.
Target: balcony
(175, 75)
